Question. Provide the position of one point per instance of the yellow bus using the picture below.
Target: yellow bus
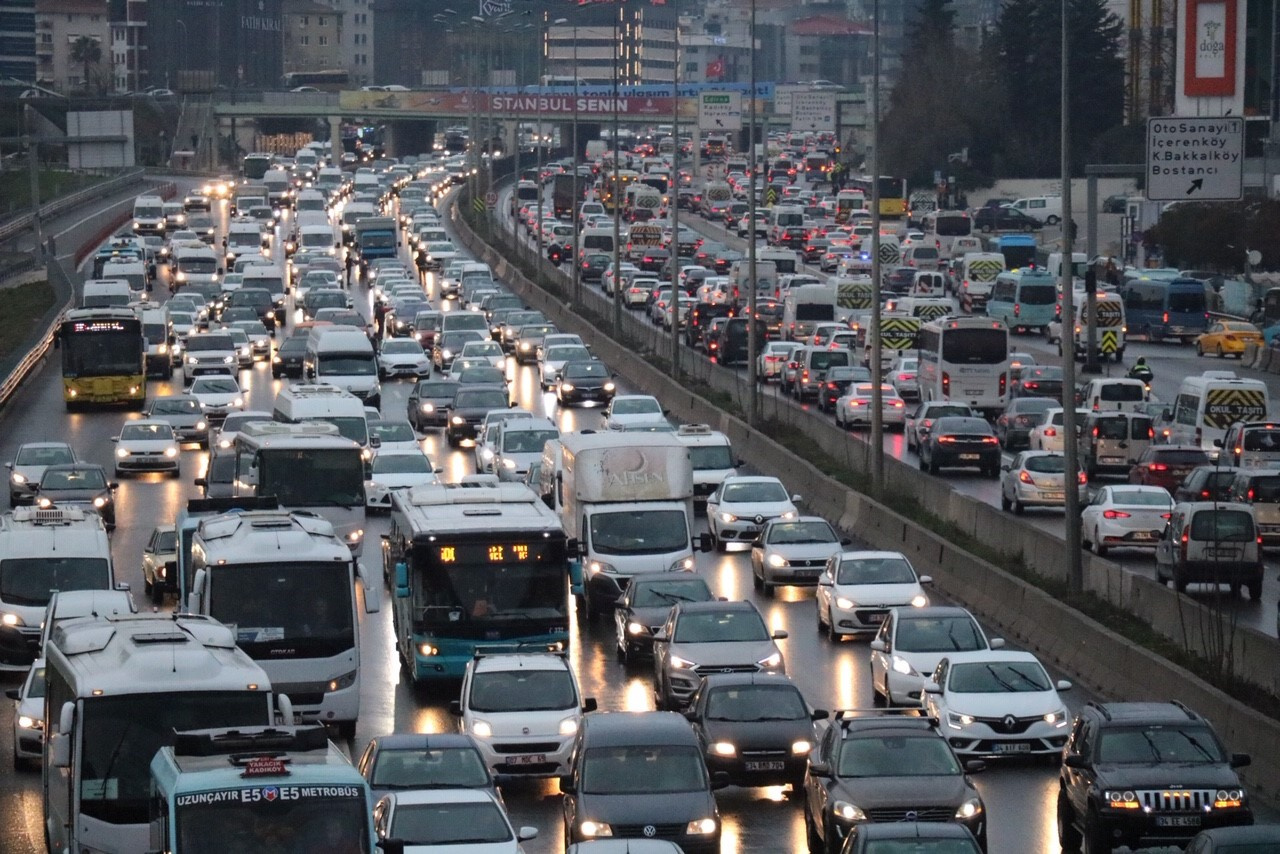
(893, 194)
(103, 358)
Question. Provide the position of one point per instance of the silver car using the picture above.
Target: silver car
(710, 637)
(793, 551)
(29, 464)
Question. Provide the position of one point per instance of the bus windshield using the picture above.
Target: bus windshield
(509, 592)
(31, 581)
(300, 610)
(98, 354)
(975, 346)
(335, 821)
(309, 477)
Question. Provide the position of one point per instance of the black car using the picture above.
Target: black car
(640, 775)
(287, 361)
(644, 607)
(83, 485)
(654, 260)
(1206, 483)
(836, 381)
(900, 280)
(1039, 381)
(706, 253)
(584, 382)
(428, 401)
(733, 341)
(1146, 773)
(815, 248)
(1004, 219)
(468, 408)
(961, 442)
(923, 836)
(699, 320)
(756, 728)
(1014, 425)
(794, 237)
(886, 767)
(407, 761)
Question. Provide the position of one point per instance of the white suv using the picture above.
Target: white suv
(524, 710)
(209, 353)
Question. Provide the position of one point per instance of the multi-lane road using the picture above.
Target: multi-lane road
(1020, 798)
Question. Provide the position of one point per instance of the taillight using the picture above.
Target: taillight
(1159, 467)
(1004, 383)
(1082, 477)
(1017, 309)
(1025, 478)
(1116, 514)
(1166, 317)
(1049, 432)
(946, 384)
(1184, 539)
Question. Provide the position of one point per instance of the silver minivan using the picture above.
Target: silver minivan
(1110, 441)
(1213, 543)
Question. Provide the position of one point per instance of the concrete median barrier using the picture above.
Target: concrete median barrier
(1265, 357)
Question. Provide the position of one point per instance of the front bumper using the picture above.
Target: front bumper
(527, 756)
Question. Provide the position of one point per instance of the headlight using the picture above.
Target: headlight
(790, 514)
(728, 518)
(777, 560)
(683, 565)
(701, 827)
(681, 663)
(100, 502)
(526, 346)
(1058, 718)
(228, 360)
(846, 811)
(801, 747)
(427, 407)
(457, 419)
(1228, 798)
(481, 729)
(509, 465)
(200, 425)
(426, 650)
(569, 726)
(446, 354)
(919, 600)
(1122, 800)
(26, 722)
(901, 665)
(593, 829)
(170, 452)
(969, 809)
(18, 477)
(771, 661)
(598, 566)
(724, 748)
(121, 453)
(355, 536)
(958, 721)
(566, 386)
(634, 628)
(9, 618)
(343, 682)
(608, 386)
(239, 401)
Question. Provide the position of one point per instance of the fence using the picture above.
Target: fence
(12, 227)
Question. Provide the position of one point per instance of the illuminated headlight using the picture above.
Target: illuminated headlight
(724, 748)
(100, 502)
(901, 665)
(18, 477)
(728, 518)
(958, 721)
(846, 811)
(481, 729)
(44, 503)
(634, 628)
(679, 663)
(446, 354)
(969, 809)
(346, 680)
(845, 603)
(457, 419)
(1226, 798)
(568, 726)
(790, 514)
(526, 346)
(170, 452)
(1058, 718)
(202, 425)
(608, 386)
(276, 360)
(598, 566)
(355, 536)
(163, 349)
(228, 360)
(777, 560)
(182, 277)
(427, 407)
(426, 650)
(509, 465)
(594, 829)
(801, 747)
(136, 225)
(122, 453)
(239, 401)
(683, 565)
(919, 600)
(566, 386)
(701, 827)
(771, 661)
(8, 618)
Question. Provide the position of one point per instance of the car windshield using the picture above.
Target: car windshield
(425, 768)
(720, 627)
(484, 375)
(214, 385)
(481, 398)
(939, 634)
(754, 491)
(44, 456)
(401, 464)
(897, 756)
(73, 479)
(392, 431)
(522, 690)
(527, 441)
(566, 354)
(710, 457)
(146, 433)
(1158, 743)
(1047, 464)
(401, 346)
(636, 406)
(995, 677)
(801, 532)
(584, 370)
(450, 824)
(642, 770)
(756, 703)
(880, 570)
(437, 389)
(658, 594)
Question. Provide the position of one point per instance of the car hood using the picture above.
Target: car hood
(64, 495)
(759, 735)
(804, 551)
(640, 808)
(879, 595)
(146, 445)
(403, 358)
(175, 421)
(508, 847)
(1167, 775)
(724, 653)
(1021, 705)
(207, 399)
(651, 617)
(403, 481)
(914, 791)
(748, 510)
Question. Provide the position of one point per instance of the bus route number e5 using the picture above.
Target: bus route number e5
(490, 553)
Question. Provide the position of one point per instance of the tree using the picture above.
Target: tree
(87, 51)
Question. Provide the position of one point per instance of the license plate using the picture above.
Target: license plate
(1143, 535)
(529, 759)
(973, 392)
(1111, 459)
(877, 617)
(1177, 821)
(1052, 496)
(1011, 747)
(1228, 553)
(807, 573)
(769, 765)
(970, 456)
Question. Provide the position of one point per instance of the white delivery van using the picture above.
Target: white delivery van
(978, 274)
(302, 402)
(710, 457)
(105, 293)
(148, 215)
(319, 237)
(131, 270)
(245, 237)
(342, 356)
(1114, 394)
(195, 265)
(804, 308)
(1047, 209)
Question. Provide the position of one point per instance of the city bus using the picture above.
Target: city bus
(254, 166)
(966, 360)
(470, 565)
(104, 356)
(331, 80)
(306, 466)
(893, 194)
(606, 192)
(117, 688)
(287, 583)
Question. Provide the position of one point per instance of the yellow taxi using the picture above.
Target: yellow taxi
(1227, 338)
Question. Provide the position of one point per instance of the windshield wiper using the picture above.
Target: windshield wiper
(1035, 685)
(1191, 739)
(996, 676)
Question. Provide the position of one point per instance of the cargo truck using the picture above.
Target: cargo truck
(375, 237)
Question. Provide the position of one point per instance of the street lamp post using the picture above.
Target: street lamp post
(577, 238)
(617, 237)
(676, 290)
(753, 380)
(877, 421)
(1075, 569)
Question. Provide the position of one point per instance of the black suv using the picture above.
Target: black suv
(886, 766)
(1145, 773)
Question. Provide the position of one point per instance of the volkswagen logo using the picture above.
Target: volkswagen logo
(650, 831)
(1010, 721)
(911, 815)
(524, 730)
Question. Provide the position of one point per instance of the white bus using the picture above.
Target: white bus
(966, 360)
(117, 689)
(287, 583)
(306, 466)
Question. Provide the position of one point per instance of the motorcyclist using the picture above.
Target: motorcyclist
(1141, 371)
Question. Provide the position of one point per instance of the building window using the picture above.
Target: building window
(324, 40)
(305, 20)
(691, 68)
(304, 40)
(808, 49)
(320, 22)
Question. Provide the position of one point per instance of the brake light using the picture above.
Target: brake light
(946, 384)
(1159, 467)
(1082, 477)
(1025, 478)
(1004, 383)
(898, 404)
(1049, 432)
(1204, 493)
(1184, 539)
(1017, 309)
(1117, 514)
(1166, 516)
(1166, 317)
(1249, 494)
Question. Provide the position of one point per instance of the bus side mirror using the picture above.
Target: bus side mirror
(196, 596)
(402, 580)
(372, 591)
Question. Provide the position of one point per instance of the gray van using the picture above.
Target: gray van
(1210, 542)
(1260, 489)
(1111, 441)
(810, 366)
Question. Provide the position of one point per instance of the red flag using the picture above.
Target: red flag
(715, 68)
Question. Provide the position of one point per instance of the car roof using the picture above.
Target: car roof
(440, 796)
(504, 662)
(717, 606)
(932, 612)
(1146, 712)
(423, 741)
(720, 680)
(991, 656)
(607, 729)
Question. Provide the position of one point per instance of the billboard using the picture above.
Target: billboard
(462, 103)
(1210, 73)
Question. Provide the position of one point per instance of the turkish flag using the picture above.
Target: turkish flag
(715, 68)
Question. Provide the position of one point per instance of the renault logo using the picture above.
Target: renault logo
(524, 730)
(650, 831)
(1010, 721)
(759, 520)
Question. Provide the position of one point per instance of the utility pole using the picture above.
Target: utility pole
(676, 290)
(617, 180)
(1075, 568)
(877, 397)
(753, 380)
(33, 163)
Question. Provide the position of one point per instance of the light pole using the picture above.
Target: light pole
(676, 290)
(577, 238)
(753, 380)
(617, 237)
(1075, 569)
(877, 421)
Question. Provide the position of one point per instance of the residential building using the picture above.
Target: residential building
(59, 25)
(128, 26)
(312, 36)
(644, 36)
(356, 44)
(18, 40)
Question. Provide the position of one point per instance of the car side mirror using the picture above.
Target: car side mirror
(1064, 685)
(566, 785)
(589, 705)
(1075, 760)
(455, 708)
(932, 688)
(201, 482)
(14, 693)
(113, 486)
(878, 645)
(391, 846)
(997, 643)
(660, 636)
(973, 766)
(819, 769)
(780, 635)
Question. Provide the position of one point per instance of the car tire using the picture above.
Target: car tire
(1179, 584)
(156, 592)
(1199, 349)
(1018, 507)
(1098, 548)
(811, 831)
(1095, 836)
(1254, 589)
(756, 581)
(1068, 836)
(933, 465)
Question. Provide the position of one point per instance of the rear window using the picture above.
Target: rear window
(1231, 526)
(1265, 490)
(1121, 392)
(1183, 458)
(1049, 464)
(820, 360)
(1039, 294)
(1112, 428)
(1262, 440)
(1186, 301)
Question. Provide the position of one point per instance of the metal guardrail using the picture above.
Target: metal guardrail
(35, 355)
(19, 224)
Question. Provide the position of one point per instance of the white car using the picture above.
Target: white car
(854, 407)
(903, 377)
(1125, 516)
(1047, 435)
(29, 464)
(393, 434)
(490, 351)
(219, 396)
(857, 590)
(523, 709)
(627, 409)
(773, 358)
(434, 821)
(28, 718)
(1036, 479)
(739, 508)
(146, 445)
(912, 641)
(403, 357)
(396, 469)
(998, 703)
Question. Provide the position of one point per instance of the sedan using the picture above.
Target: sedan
(793, 551)
(1167, 465)
(704, 637)
(627, 409)
(1228, 338)
(393, 470)
(755, 728)
(1043, 381)
(869, 837)
(902, 376)
(645, 605)
(553, 360)
(836, 382)
(287, 361)
(1036, 479)
(147, 445)
(184, 414)
(919, 423)
(1049, 434)
(912, 641)
(961, 442)
(739, 508)
(29, 464)
(772, 359)
(857, 590)
(427, 403)
(467, 409)
(218, 396)
(1206, 483)
(447, 820)
(78, 485)
(584, 383)
(402, 357)
(1020, 417)
(391, 435)
(1125, 517)
(998, 703)
(854, 407)
(403, 761)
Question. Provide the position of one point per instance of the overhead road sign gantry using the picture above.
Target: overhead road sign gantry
(1195, 159)
(719, 112)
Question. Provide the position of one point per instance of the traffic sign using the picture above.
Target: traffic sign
(1192, 159)
(491, 199)
(813, 111)
(478, 205)
(719, 111)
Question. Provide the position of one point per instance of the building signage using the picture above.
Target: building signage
(1209, 49)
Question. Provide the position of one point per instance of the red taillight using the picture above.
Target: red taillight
(1050, 432)
(946, 384)
(1158, 467)
(1166, 317)
(906, 377)
(1166, 516)
(1017, 309)
(1025, 478)
(1082, 477)
(1114, 514)
(990, 440)
(898, 404)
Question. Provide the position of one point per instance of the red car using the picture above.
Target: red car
(1167, 465)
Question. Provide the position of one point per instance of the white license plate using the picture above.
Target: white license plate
(1143, 535)
(1177, 821)
(1227, 553)
(1011, 747)
(529, 759)
(1052, 496)
(970, 456)
(767, 765)
(1111, 459)
(972, 392)
(877, 617)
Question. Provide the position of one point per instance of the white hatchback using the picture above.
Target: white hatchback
(857, 589)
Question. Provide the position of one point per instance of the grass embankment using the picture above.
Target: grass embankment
(24, 306)
(15, 187)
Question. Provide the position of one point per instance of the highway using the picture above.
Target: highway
(1020, 798)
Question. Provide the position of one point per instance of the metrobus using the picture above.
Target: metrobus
(117, 688)
(287, 583)
(893, 194)
(331, 80)
(219, 790)
(254, 166)
(1163, 304)
(307, 466)
(474, 564)
(945, 226)
(966, 360)
(104, 356)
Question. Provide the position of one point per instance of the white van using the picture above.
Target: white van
(194, 265)
(1207, 405)
(804, 308)
(710, 455)
(148, 215)
(596, 240)
(1114, 394)
(319, 237)
(245, 237)
(343, 357)
(978, 274)
(1047, 209)
(106, 293)
(155, 330)
(130, 270)
(301, 402)
(1111, 326)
